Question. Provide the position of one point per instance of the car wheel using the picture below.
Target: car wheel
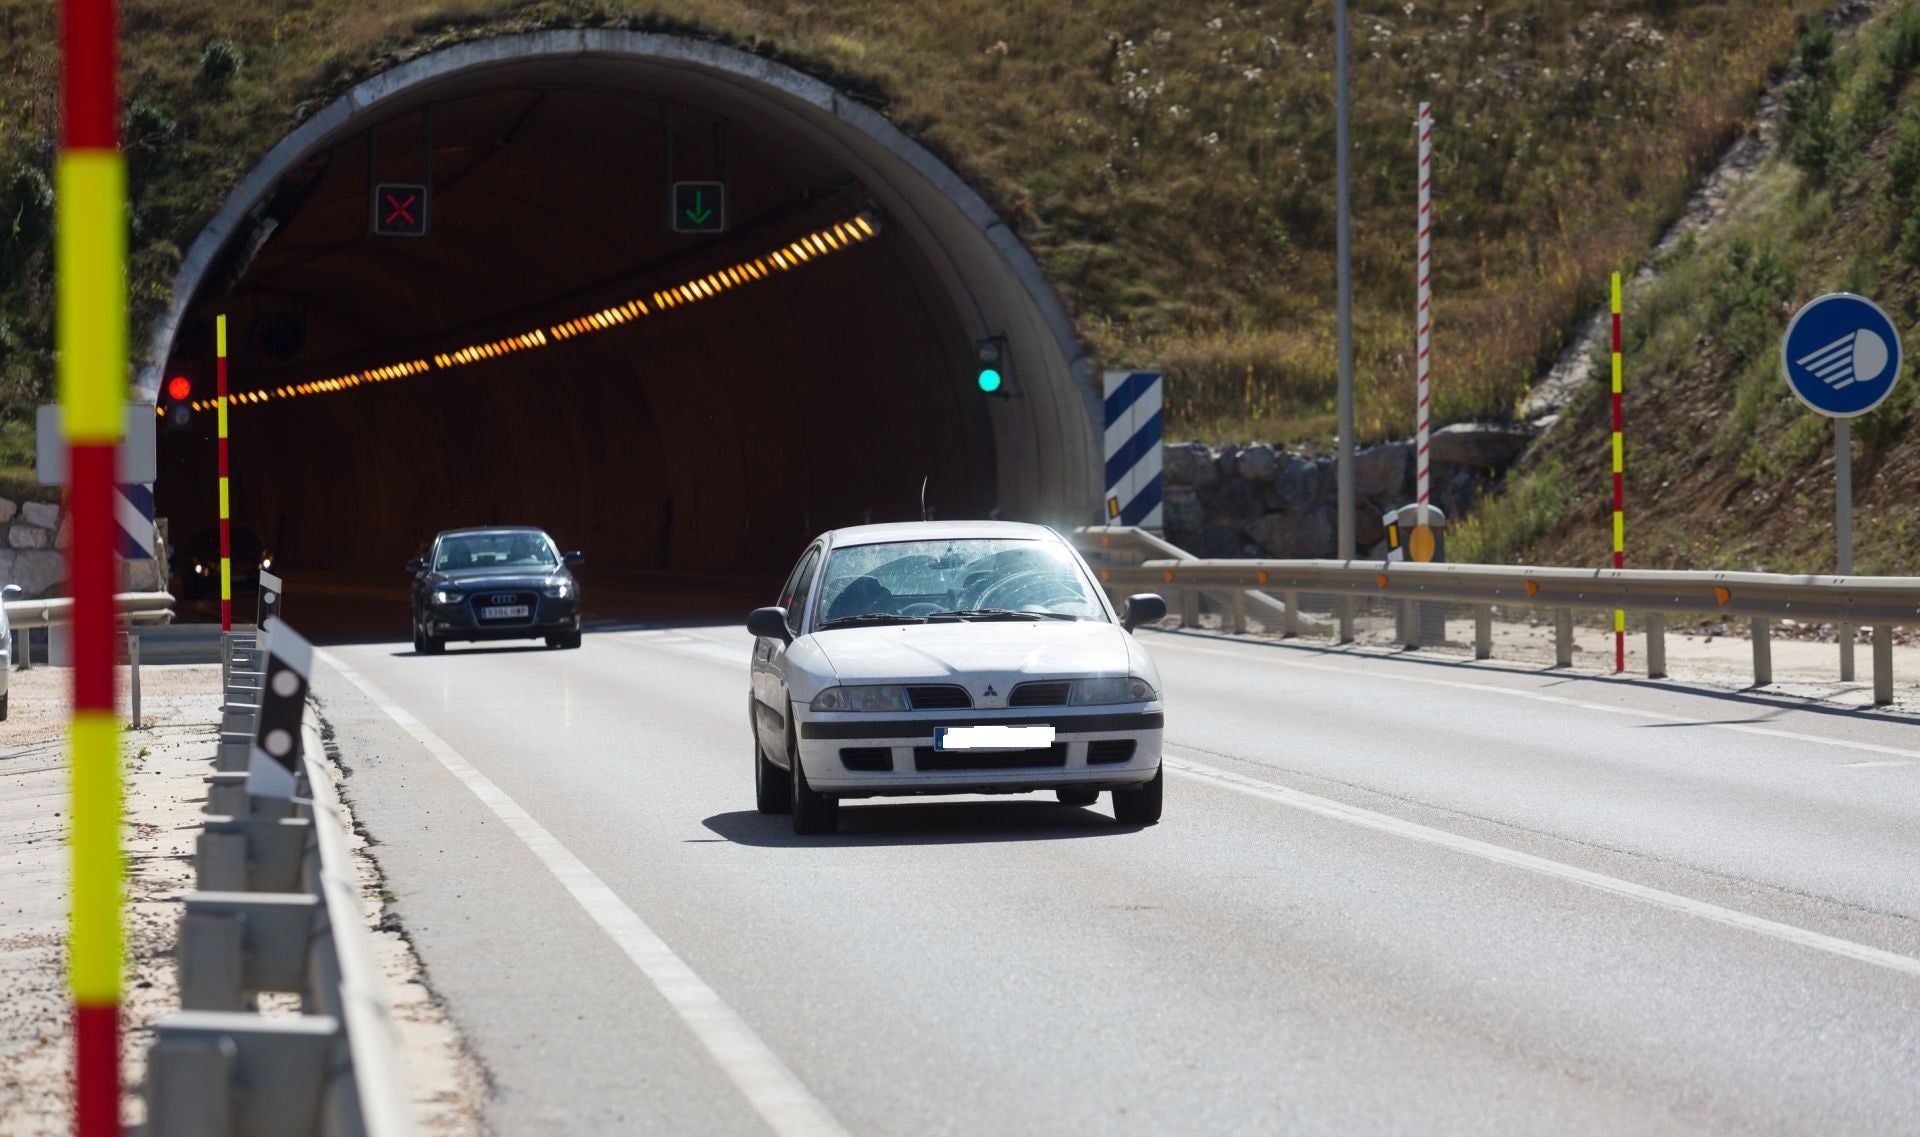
(3, 708)
(556, 641)
(419, 642)
(772, 786)
(1140, 806)
(572, 640)
(813, 812)
(432, 645)
(1077, 795)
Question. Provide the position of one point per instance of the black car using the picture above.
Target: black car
(494, 584)
(201, 576)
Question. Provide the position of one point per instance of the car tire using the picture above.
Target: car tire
(419, 641)
(572, 640)
(432, 645)
(1140, 806)
(813, 812)
(3, 708)
(1077, 795)
(772, 786)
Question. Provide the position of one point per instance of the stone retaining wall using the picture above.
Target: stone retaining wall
(33, 539)
(1262, 501)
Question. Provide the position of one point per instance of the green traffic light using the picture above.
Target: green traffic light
(989, 380)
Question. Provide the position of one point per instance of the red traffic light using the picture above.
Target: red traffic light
(178, 388)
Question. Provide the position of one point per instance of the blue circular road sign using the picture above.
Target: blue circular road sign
(1841, 354)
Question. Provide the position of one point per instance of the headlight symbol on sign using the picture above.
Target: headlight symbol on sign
(1841, 355)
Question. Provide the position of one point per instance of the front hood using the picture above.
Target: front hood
(481, 579)
(987, 650)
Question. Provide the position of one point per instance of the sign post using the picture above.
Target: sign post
(1422, 545)
(226, 536)
(1842, 356)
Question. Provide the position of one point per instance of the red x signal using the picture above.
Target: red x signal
(400, 210)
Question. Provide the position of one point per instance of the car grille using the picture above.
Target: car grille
(1110, 750)
(867, 757)
(941, 698)
(927, 758)
(1050, 694)
(484, 600)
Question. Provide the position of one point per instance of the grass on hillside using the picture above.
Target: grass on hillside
(1724, 467)
(1170, 165)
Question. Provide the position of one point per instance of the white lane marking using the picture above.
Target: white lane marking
(773, 1090)
(1366, 818)
(1541, 697)
(1872, 765)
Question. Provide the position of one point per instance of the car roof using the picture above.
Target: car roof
(938, 531)
(490, 529)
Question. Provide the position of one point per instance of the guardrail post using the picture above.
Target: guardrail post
(1291, 629)
(1563, 637)
(1656, 645)
(1189, 608)
(189, 1082)
(1762, 652)
(270, 850)
(1882, 664)
(1239, 611)
(277, 1072)
(235, 944)
(1344, 606)
(1846, 653)
(1483, 631)
(211, 957)
(133, 684)
(1410, 617)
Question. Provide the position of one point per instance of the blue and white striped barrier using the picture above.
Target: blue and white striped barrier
(133, 521)
(1133, 448)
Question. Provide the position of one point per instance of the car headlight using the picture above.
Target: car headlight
(443, 596)
(199, 569)
(868, 698)
(1117, 689)
(559, 589)
(266, 562)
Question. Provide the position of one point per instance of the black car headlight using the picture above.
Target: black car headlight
(446, 596)
(1116, 689)
(558, 589)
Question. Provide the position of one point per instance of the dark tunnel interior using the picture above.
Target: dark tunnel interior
(714, 436)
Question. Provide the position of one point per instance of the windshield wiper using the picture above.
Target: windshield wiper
(874, 618)
(1000, 614)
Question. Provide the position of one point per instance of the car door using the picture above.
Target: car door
(770, 701)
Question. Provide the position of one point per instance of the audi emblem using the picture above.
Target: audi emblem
(501, 598)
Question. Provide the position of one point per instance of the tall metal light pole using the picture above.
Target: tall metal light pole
(1344, 461)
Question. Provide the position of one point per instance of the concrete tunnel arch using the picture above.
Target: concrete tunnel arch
(1041, 447)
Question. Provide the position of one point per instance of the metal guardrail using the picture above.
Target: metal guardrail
(1881, 603)
(141, 607)
(278, 909)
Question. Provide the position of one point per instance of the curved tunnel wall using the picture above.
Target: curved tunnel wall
(701, 443)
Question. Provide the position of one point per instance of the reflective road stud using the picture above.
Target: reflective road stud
(90, 258)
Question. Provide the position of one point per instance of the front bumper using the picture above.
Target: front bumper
(841, 753)
(550, 616)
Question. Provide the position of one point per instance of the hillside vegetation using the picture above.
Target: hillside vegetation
(1170, 164)
(1724, 467)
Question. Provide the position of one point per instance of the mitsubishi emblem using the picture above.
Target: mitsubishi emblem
(990, 693)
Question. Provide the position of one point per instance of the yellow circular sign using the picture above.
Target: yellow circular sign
(1420, 545)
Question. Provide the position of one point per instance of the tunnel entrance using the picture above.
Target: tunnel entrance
(552, 352)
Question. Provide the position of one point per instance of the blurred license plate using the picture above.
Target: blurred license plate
(992, 737)
(514, 612)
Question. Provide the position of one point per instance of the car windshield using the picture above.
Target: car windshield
(973, 578)
(522, 549)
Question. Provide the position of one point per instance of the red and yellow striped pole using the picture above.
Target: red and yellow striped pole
(1619, 491)
(90, 253)
(226, 536)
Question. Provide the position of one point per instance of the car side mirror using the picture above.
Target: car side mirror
(10, 591)
(770, 623)
(574, 559)
(1142, 608)
(417, 565)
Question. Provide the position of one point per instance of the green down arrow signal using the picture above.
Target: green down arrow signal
(698, 214)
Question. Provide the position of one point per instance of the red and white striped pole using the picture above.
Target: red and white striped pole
(90, 309)
(1424, 321)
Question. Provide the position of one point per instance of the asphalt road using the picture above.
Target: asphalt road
(1389, 896)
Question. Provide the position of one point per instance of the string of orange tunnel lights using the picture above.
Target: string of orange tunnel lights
(819, 243)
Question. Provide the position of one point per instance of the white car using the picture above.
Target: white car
(966, 657)
(6, 646)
